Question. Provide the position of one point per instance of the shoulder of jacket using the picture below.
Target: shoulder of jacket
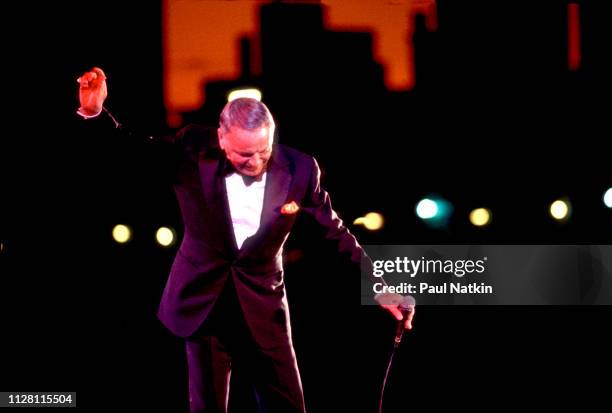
(295, 155)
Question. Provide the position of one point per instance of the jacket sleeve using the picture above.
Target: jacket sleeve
(318, 205)
(161, 155)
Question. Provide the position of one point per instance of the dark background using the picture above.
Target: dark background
(496, 119)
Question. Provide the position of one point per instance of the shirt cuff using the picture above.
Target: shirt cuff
(81, 113)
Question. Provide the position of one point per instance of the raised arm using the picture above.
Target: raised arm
(92, 95)
(161, 153)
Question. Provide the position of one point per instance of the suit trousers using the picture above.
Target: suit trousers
(223, 342)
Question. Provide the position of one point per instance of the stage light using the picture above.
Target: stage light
(122, 233)
(434, 210)
(372, 221)
(560, 209)
(165, 236)
(427, 209)
(244, 93)
(607, 198)
(480, 217)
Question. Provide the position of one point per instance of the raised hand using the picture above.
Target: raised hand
(92, 92)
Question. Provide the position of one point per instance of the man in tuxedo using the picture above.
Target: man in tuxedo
(239, 195)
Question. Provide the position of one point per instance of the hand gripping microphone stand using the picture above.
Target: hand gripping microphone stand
(406, 305)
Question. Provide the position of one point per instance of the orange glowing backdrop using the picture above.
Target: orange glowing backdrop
(201, 40)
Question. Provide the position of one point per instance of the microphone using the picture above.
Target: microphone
(406, 306)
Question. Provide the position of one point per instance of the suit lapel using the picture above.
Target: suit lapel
(213, 186)
(277, 189)
(278, 180)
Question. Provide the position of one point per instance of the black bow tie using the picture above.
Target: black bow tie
(248, 180)
(229, 169)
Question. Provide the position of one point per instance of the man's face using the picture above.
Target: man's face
(248, 150)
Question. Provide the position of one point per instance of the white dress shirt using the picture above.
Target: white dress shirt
(245, 204)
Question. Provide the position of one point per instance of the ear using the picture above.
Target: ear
(273, 135)
(220, 138)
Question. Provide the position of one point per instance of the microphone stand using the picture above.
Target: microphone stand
(406, 307)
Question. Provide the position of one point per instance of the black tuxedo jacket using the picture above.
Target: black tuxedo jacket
(208, 255)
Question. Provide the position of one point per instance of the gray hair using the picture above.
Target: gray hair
(246, 113)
